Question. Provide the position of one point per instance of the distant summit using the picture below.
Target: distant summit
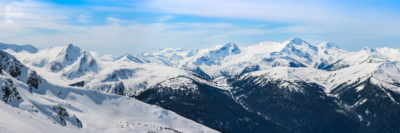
(18, 48)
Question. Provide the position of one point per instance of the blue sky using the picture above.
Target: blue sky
(134, 26)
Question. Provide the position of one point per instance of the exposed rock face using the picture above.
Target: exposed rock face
(33, 81)
(10, 64)
(63, 117)
(9, 93)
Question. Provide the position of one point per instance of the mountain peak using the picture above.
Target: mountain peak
(297, 40)
(67, 56)
(19, 48)
(328, 45)
(300, 50)
(368, 49)
(70, 53)
(71, 47)
(217, 54)
(231, 48)
(126, 55)
(230, 44)
(298, 43)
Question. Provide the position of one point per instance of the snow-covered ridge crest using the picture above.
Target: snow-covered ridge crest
(179, 83)
(287, 77)
(230, 59)
(18, 48)
(324, 60)
(388, 75)
(384, 74)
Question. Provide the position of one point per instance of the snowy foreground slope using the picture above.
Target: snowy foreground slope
(30, 104)
(290, 86)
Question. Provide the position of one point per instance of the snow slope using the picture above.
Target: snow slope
(126, 75)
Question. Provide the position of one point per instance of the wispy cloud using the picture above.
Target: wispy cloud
(112, 20)
(113, 37)
(120, 29)
(259, 10)
(165, 18)
(83, 19)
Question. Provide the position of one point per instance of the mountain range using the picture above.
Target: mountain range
(290, 86)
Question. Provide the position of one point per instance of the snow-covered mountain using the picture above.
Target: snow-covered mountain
(18, 48)
(291, 86)
(230, 59)
(71, 64)
(126, 75)
(292, 53)
(366, 55)
(31, 104)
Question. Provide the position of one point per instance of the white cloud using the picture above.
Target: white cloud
(308, 12)
(165, 18)
(112, 20)
(46, 25)
(83, 19)
(258, 10)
